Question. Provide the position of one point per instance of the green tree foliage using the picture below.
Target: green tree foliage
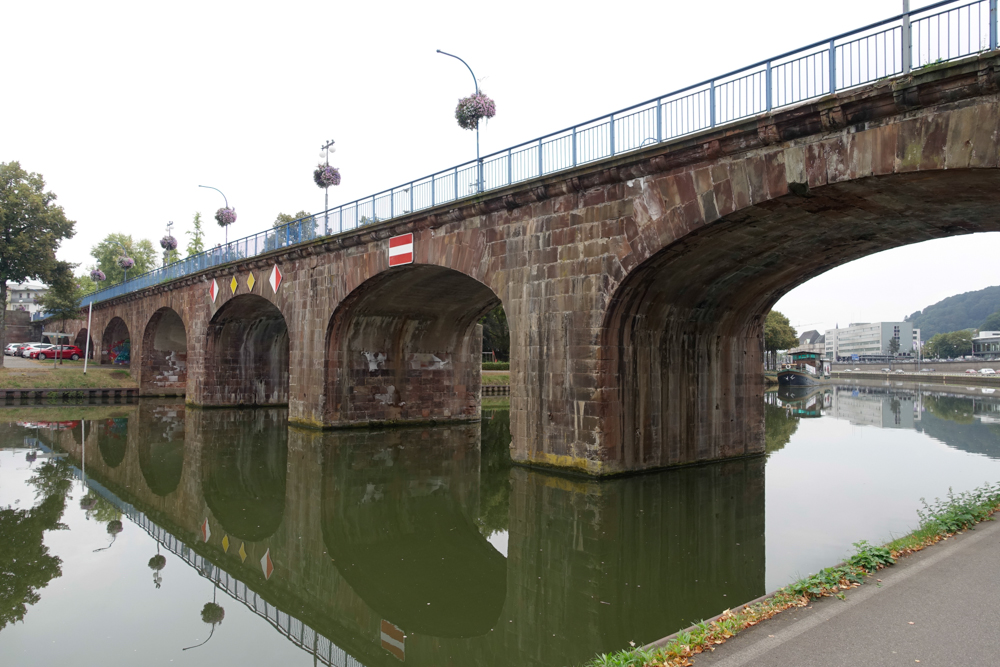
(949, 345)
(778, 335)
(26, 566)
(894, 346)
(779, 426)
(31, 228)
(86, 284)
(957, 409)
(108, 251)
(496, 334)
(962, 311)
(62, 300)
(494, 466)
(992, 323)
(197, 242)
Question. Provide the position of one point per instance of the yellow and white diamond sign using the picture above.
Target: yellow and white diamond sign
(233, 284)
(243, 552)
(251, 281)
(225, 544)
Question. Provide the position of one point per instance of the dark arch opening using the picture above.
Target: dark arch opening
(399, 518)
(164, 354)
(684, 331)
(112, 440)
(246, 356)
(407, 345)
(85, 342)
(116, 344)
(243, 466)
(161, 446)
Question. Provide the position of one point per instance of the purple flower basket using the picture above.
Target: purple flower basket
(325, 176)
(225, 216)
(474, 108)
(98, 276)
(126, 262)
(168, 243)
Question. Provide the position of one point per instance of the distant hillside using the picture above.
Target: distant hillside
(962, 311)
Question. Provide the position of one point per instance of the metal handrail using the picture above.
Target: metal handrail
(821, 68)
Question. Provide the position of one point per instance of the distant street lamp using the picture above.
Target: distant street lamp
(128, 261)
(326, 149)
(224, 216)
(479, 164)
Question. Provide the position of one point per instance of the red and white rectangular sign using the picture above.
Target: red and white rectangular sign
(393, 640)
(401, 250)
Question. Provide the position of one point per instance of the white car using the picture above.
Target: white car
(11, 349)
(26, 351)
(900, 371)
(987, 371)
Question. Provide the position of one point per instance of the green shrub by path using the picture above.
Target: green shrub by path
(938, 521)
(496, 365)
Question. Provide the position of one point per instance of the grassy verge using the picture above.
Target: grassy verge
(495, 403)
(69, 376)
(63, 413)
(497, 379)
(938, 521)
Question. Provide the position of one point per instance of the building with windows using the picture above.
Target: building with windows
(986, 344)
(811, 341)
(871, 341)
(21, 296)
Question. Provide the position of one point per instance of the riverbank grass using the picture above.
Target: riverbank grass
(938, 521)
(66, 377)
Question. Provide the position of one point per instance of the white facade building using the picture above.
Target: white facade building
(870, 341)
(22, 296)
(986, 344)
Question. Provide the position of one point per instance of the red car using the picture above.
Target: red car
(58, 352)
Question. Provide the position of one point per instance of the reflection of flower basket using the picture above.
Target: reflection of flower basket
(97, 276)
(474, 108)
(88, 502)
(325, 176)
(157, 562)
(126, 263)
(114, 527)
(225, 216)
(212, 613)
(168, 243)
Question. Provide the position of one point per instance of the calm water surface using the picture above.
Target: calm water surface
(129, 531)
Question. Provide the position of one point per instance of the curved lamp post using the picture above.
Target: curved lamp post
(225, 199)
(125, 254)
(479, 164)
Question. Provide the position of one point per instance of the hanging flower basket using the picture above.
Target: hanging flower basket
(97, 276)
(168, 243)
(114, 527)
(474, 108)
(126, 262)
(212, 613)
(225, 216)
(157, 562)
(325, 176)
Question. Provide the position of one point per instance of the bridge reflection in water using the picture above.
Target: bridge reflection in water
(336, 536)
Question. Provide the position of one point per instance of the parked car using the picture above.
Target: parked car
(987, 371)
(886, 370)
(28, 348)
(846, 370)
(926, 370)
(58, 352)
(857, 370)
(11, 348)
(971, 371)
(900, 371)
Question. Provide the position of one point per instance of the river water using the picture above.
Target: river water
(153, 534)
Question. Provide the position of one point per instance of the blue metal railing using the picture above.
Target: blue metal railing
(893, 46)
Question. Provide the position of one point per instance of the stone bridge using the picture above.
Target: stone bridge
(635, 287)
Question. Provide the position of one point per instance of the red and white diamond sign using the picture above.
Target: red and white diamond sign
(275, 279)
(393, 640)
(401, 250)
(206, 532)
(267, 565)
(213, 290)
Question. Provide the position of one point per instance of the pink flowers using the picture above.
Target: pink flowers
(325, 176)
(472, 109)
(98, 276)
(125, 263)
(225, 216)
(169, 242)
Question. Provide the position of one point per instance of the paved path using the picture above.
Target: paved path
(940, 606)
(21, 362)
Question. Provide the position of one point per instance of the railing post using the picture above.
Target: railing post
(612, 134)
(456, 183)
(993, 25)
(659, 121)
(392, 204)
(510, 166)
(767, 85)
(479, 175)
(574, 145)
(340, 219)
(907, 34)
(711, 103)
(833, 67)
(411, 196)
(539, 158)
(433, 194)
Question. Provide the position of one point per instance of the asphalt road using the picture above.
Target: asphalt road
(940, 606)
(20, 362)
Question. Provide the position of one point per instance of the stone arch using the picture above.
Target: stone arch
(682, 337)
(112, 440)
(84, 341)
(116, 343)
(405, 345)
(161, 446)
(164, 354)
(246, 354)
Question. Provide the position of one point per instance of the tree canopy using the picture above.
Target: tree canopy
(108, 251)
(197, 242)
(992, 323)
(949, 345)
(31, 228)
(62, 300)
(962, 311)
(496, 335)
(779, 333)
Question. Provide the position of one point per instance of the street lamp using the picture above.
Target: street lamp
(125, 255)
(479, 164)
(327, 148)
(225, 199)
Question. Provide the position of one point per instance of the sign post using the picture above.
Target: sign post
(90, 315)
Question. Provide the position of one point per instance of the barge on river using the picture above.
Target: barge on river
(805, 370)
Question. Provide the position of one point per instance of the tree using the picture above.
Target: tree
(950, 345)
(31, 228)
(197, 242)
(496, 335)
(992, 322)
(778, 335)
(86, 283)
(894, 346)
(108, 251)
(62, 300)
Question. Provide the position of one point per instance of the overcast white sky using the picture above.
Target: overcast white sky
(126, 108)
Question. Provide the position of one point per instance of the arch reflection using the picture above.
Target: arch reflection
(399, 518)
(161, 446)
(112, 440)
